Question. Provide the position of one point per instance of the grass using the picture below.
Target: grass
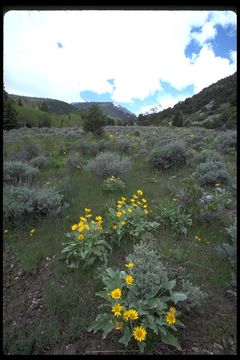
(68, 303)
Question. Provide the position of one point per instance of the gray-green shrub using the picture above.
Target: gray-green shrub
(226, 142)
(211, 172)
(164, 157)
(195, 296)
(22, 200)
(74, 161)
(16, 171)
(208, 155)
(107, 164)
(39, 162)
(123, 145)
(149, 273)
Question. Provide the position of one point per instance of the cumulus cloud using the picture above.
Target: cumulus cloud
(137, 49)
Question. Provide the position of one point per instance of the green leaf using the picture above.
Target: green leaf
(108, 327)
(178, 296)
(103, 294)
(152, 324)
(141, 346)
(126, 336)
(169, 285)
(171, 340)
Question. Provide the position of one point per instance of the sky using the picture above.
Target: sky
(135, 58)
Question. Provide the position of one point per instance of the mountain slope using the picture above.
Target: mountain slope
(112, 110)
(53, 106)
(213, 107)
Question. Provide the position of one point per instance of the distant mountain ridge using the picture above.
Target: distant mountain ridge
(60, 107)
(110, 109)
(54, 106)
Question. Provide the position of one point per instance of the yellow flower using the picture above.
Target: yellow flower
(89, 215)
(146, 211)
(83, 219)
(135, 205)
(129, 280)
(174, 199)
(132, 200)
(144, 200)
(123, 198)
(119, 202)
(130, 265)
(5, 231)
(135, 196)
(145, 206)
(123, 222)
(116, 293)
(172, 310)
(129, 210)
(170, 318)
(130, 314)
(98, 218)
(118, 325)
(116, 309)
(119, 213)
(114, 227)
(80, 237)
(119, 206)
(87, 210)
(139, 333)
(217, 184)
(139, 192)
(86, 227)
(32, 232)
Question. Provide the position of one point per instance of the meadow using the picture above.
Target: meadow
(158, 198)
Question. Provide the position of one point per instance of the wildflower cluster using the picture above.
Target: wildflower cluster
(133, 317)
(129, 219)
(112, 184)
(87, 242)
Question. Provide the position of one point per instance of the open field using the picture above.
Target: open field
(47, 306)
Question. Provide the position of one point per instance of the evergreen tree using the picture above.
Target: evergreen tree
(9, 112)
(94, 120)
(43, 107)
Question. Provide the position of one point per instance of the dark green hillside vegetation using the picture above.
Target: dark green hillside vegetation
(215, 107)
(122, 243)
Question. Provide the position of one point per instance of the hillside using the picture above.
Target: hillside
(213, 107)
(53, 106)
(112, 110)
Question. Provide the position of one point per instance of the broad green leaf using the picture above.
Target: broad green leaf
(126, 336)
(169, 285)
(152, 324)
(171, 340)
(141, 346)
(178, 296)
(108, 327)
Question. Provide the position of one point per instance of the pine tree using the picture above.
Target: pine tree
(94, 120)
(9, 112)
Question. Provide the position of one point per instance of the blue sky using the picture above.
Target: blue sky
(110, 56)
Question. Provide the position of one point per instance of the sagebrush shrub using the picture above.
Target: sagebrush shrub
(123, 145)
(228, 251)
(195, 296)
(164, 157)
(149, 274)
(211, 172)
(208, 155)
(74, 161)
(107, 164)
(22, 200)
(39, 162)
(16, 171)
(226, 142)
(89, 148)
(27, 152)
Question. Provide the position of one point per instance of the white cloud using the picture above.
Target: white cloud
(207, 32)
(135, 48)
